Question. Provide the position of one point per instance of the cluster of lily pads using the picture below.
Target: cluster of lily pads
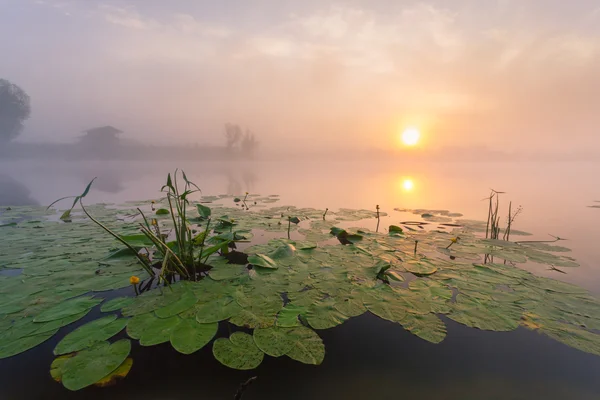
(284, 291)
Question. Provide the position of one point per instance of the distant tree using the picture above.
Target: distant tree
(249, 143)
(233, 134)
(15, 108)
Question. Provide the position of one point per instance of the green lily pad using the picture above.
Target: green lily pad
(428, 327)
(308, 347)
(217, 310)
(67, 309)
(9, 349)
(288, 315)
(116, 304)
(185, 302)
(190, 336)
(238, 352)
(91, 365)
(91, 333)
(159, 331)
(274, 341)
(261, 260)
(324, 315)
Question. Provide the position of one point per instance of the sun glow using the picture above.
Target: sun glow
(408, 185)
(410, 136)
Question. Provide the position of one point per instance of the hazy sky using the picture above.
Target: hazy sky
(508, 73)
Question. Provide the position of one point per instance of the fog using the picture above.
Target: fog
(508, 75)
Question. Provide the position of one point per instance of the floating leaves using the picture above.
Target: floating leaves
(238, 352)
(274, 341)
(67, 309)
(190, 336)
(261, 260)
(116, 304)
(285, 291)
(92, 365)
(308, 348)
(85, 336)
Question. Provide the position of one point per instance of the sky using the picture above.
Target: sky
(510, 75)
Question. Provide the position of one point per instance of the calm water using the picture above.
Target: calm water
(367, 358)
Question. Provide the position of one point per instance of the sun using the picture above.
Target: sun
(411, 136)
(408, 185)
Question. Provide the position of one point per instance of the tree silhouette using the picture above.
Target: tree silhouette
(14, 110)
(249, 143)
(233, 134)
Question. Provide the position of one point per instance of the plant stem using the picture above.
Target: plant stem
(146, 266)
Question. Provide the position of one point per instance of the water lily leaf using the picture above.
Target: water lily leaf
(285, 251)
(91, 365)
(137, 241)
(139, 324)
(145, 303)
(420, 268)
(495, 317)
(185, 302)
(67, 309)
(56, 368)
(288, 316)
(159, 331)
(394, 229)
(91, 333)
(261, 313)
(384, 304)
(274, 341)
(120, 373)
(261, 260)
(204, 211)
(305, 245)
(308, 347)
(350, 305)
(227, 272)
(9, 349)
(217, 310)
(428, 327)
(238, 352)
(190, 336)
(116, 304)
(324, 315)
(162, 211)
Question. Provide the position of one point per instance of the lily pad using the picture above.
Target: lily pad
(92, 365)
(67, 309)
(238, 352)
(274, 341)
(116, 304)
(308, 347)
(190, 336)
(93, 332)
(261, 260)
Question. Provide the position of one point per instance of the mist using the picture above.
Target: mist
(508, 75)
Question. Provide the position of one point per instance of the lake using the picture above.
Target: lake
(367, 358)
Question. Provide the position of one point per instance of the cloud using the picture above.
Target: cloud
(128, 17)
(488, 72)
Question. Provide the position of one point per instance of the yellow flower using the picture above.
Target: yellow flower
(455, 240)
(154, 222)
(134, 280)
(247, 193)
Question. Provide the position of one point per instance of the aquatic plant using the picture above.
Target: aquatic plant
(171, 252)
(283, 292)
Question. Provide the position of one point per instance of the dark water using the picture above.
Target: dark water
(366, 357)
